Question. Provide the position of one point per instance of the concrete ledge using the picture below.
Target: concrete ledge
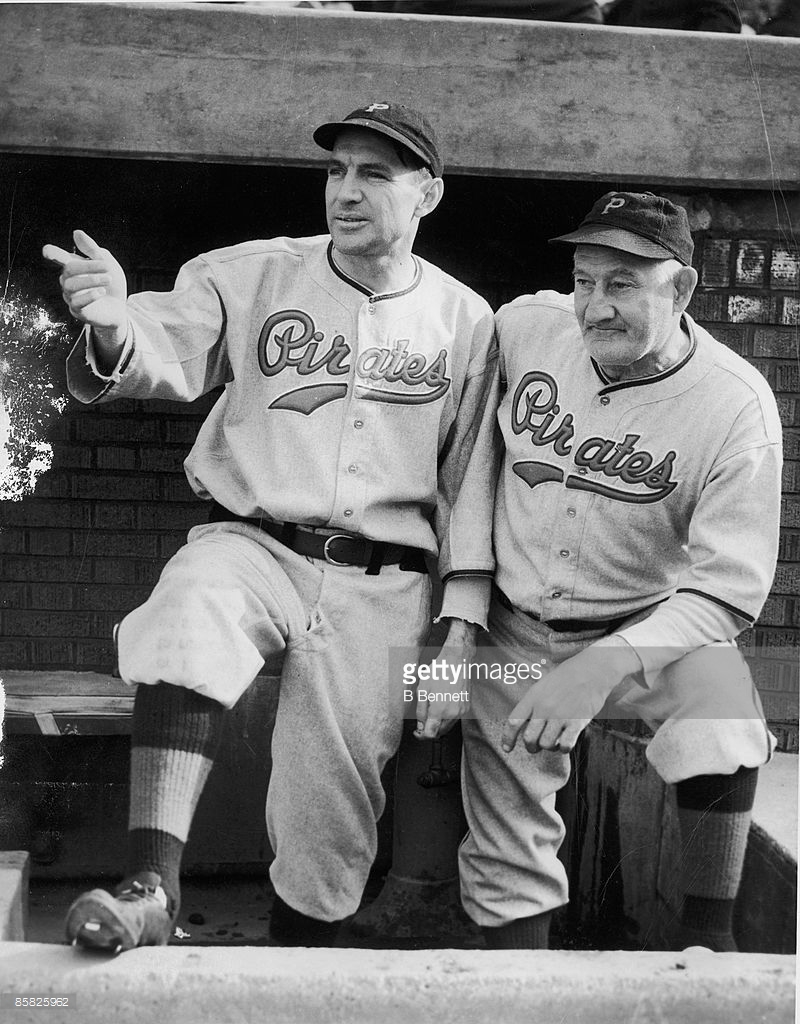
(356, 986)
(14, 871)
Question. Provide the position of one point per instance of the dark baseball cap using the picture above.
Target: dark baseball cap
(639, 222)
(403, 124)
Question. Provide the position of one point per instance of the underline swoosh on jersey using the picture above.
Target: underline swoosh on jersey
(397, 397)
(309, 399)
(534, 473)
(578, 483)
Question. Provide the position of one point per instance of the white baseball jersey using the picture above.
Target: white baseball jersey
(616, 496)
(341, 408)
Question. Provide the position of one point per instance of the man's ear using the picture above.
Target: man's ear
(685, 282)
(433, 192)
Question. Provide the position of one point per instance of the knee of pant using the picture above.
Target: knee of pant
(217, 659)
(711, 682)
(683, 748)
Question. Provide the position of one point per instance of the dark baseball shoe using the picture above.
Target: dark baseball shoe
(135, 915)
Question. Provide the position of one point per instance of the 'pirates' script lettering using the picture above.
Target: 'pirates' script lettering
(297, 346)
(535, 411)
(290, 340)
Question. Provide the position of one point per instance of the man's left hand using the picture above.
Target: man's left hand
(437, 717)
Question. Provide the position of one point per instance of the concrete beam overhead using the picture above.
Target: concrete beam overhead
(227, 82)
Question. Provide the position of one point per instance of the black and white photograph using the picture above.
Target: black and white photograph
(399, 511)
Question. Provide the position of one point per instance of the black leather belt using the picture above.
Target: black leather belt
(564, 625)
(334, 548)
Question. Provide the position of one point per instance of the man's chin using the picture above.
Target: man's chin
(347, 244)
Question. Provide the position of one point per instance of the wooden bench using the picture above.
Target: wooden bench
(66, 703)
(63, 703)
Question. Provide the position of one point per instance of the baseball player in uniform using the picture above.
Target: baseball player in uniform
(635, 531)
(355, 409)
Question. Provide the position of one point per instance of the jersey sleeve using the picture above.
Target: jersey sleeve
(175, 347)
(468, 469)
(467, 598)
(732, 552)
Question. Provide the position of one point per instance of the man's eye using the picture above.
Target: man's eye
(619, 286)
(581, 282)
(334, 172)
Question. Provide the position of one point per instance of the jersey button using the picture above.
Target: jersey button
(564, 553)
(358, 424)
(571, 512)
(371, 308)
(556, 594)
(583, 471)
(605, 400)
(352, 468)
(348, 512)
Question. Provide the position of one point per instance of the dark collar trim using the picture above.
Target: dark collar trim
(410, 288)
(619, 385)
(374, 297)
(341, 274)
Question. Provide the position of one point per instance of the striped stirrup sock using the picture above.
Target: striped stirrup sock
(524, 933)
(714, 813)
(175, 737)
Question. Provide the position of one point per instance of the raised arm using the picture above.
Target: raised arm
(94, 288)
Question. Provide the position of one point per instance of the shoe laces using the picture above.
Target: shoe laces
(138, 891)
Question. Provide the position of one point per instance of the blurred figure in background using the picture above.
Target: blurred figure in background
(782, 18)
(689, 15)
(533, 10)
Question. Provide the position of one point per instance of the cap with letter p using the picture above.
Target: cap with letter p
(403, 124)
(638, 222)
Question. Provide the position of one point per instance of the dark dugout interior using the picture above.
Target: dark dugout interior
(489, 232)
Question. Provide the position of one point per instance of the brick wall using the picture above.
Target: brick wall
(748, 297)
(89, 545)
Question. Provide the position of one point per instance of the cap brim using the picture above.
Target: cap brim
(325, 136)
(617, 238)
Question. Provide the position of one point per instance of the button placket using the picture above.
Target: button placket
(351, 484)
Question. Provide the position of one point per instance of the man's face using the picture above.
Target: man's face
(371, 199)
(626, 309)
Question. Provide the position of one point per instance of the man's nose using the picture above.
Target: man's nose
(349, 188)
(599, 307)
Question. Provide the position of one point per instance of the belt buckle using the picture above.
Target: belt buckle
(325, 553)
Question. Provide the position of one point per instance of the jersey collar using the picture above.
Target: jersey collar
(636, 382)
(374, 296)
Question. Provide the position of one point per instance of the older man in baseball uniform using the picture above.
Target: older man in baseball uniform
(635, 530)
(356, 377)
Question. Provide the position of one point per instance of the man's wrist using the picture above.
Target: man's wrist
(609, 661)
(462, 631)
(109, 344)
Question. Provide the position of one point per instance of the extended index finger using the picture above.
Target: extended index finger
(56, 254)
(516, 722)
